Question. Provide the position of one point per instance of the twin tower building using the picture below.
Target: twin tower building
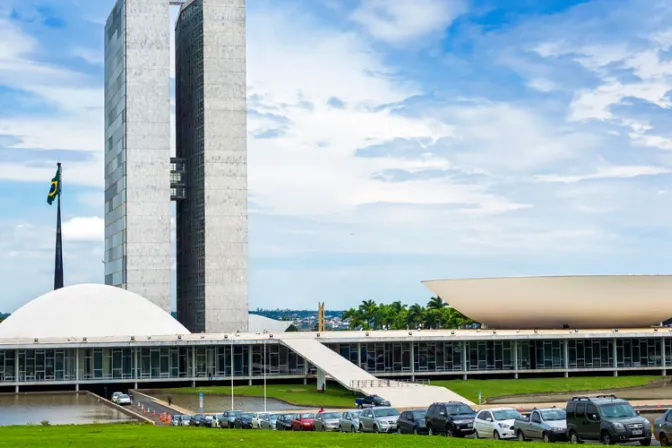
(207, 178)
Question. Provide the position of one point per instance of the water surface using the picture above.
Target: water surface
(57, 409)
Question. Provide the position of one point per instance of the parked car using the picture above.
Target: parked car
(284, 422)
(256, 420)
(371, 401)
(228, 418)
(198, 420)
(663, 428)
(244, 420)
(115, 396)
(269, 421)
(349, 421)
(379, 419)
(123, 400)
(184, 420)
(303, 422)
(327, 421)
(496, 423)
(208, 421)
(547, 424)
(412, 422)
(606, 418)
(452, 418)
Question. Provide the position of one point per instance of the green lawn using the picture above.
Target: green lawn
(298, 394)
(337, 396)
(145, 436)
(493, 388)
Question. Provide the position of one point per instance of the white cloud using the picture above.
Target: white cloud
(612, 172)
(84, 228)
(403, 20)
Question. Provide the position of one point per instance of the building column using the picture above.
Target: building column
(250, 371)
(514, 348)
(464, 359)
(412, 361)
(135, 369)
(359, 355)
(565, 351)
(77, 369)
(16, 371)
(615, 355)
(305, 371)
(663, 361)
(193, 365)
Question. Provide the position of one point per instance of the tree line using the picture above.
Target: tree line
(370, 315)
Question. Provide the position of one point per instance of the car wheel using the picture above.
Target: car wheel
(398, 430)
(375, 429)
(645, 442)
(521, 436)
(663, 439)
(415, 431)
(449, 431)
(573, 437)
(545, 438)
(476, 434)
(495, 435)
(430, 431)
(352, 429)
(605, 438)
(360, 406)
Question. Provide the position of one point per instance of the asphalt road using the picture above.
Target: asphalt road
(151, 406)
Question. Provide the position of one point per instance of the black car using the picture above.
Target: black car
(453, 419)
(243, 421)
(197, 420)
(412, 422)
(284, 422)
(606, 418)
(371, 401)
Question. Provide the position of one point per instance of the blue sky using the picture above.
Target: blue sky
(390, 142)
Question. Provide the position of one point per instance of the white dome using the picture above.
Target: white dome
(90, 310)
(259, 324)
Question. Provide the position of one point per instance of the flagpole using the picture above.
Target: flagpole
(58, 262)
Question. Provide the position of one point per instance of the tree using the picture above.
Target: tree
(292, 328)
(396, 316)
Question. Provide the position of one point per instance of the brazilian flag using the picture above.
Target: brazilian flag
(55, 189)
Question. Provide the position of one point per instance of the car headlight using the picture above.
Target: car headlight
(503, 425)
(618, 426)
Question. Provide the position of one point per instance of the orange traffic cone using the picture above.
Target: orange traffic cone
(154, 414)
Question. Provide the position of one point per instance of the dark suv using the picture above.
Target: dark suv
(606, 418)
(451, 419)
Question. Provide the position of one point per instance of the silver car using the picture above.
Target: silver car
(349, 421)
(268, 421)
(382, 419)
(327, 421)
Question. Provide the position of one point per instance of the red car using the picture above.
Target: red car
(303, 422)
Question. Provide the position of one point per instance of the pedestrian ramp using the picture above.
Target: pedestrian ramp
(352, 377)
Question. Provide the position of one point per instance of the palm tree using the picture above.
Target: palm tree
(415, 317)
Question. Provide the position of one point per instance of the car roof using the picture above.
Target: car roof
(597, 399)
(499, 409)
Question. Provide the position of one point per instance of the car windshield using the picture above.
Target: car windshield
(385, 412)
(618, 410)
(123, 396)
(553, 415)
(186, 417)
(378, 399)
(273, 417)
(355, 414)
(246, 415)
(419, 414)
(307, 416)
(331, 415)
(461, 409)
(506, 414)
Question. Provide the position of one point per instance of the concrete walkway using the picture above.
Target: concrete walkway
(148, 406)
(352, 377)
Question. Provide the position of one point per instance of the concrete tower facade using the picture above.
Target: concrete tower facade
(211, 154)
(137, 149)
(212, 142)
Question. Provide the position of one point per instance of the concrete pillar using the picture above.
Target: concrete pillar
(615, 355)
(305, 371)
(76, 368)
(16, 389)
(76, 387)
(250, 372)
(135, 385)
(321, 380)
(514, 349)
(663, 361)
(464, 359)
(136, 366)
(16, 370)
(412, 361)
(565, 356)
(193, 363)
(359, 355)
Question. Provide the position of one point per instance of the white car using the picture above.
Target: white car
(123, 399)
(258, 417)
(496, 423)
(115, 397)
